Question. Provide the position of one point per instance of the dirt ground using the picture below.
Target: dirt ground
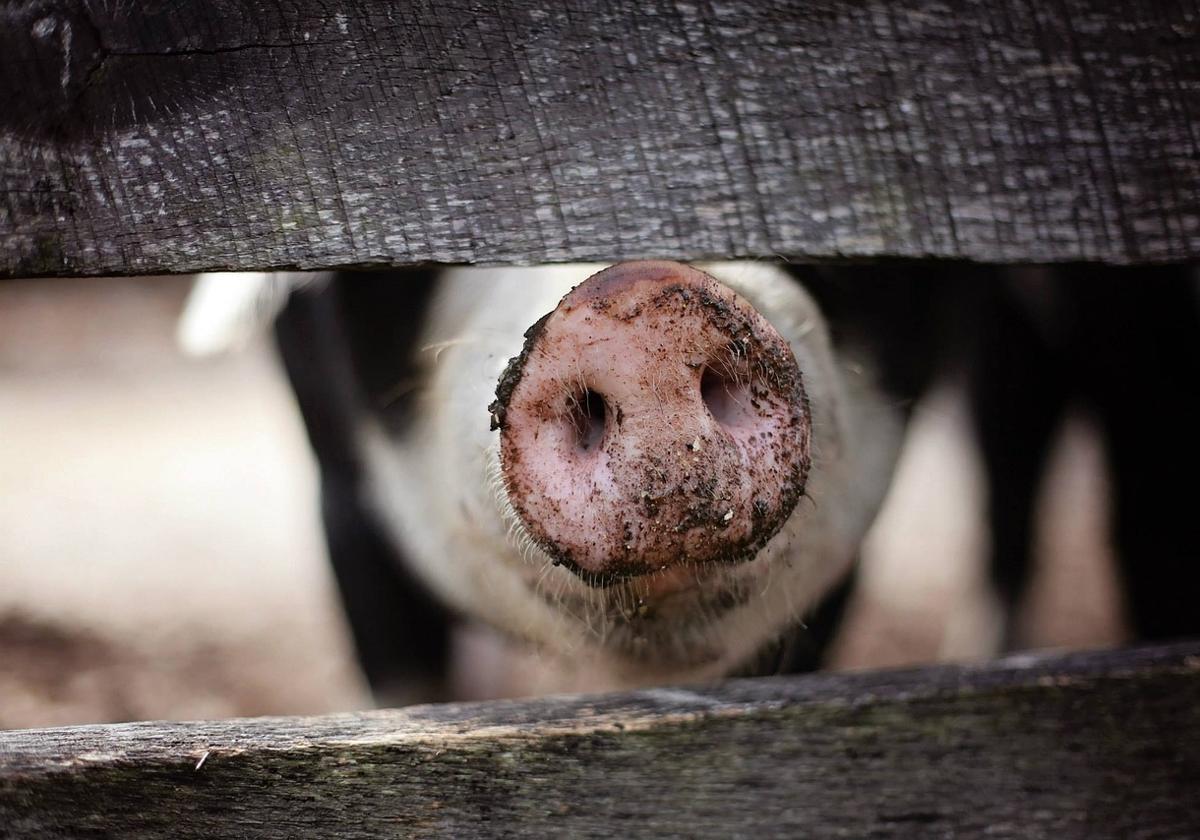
(160, 553)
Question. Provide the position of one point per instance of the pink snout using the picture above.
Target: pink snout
(653, 420)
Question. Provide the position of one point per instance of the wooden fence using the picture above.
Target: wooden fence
(1086, 745)
(180, 135)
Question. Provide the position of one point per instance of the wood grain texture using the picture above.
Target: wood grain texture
(1091, 745)
(177, 135)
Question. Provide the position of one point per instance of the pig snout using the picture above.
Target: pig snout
(654, 420)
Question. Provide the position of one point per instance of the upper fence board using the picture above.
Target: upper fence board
(176, 135)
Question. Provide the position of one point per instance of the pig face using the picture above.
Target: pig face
(649, 477)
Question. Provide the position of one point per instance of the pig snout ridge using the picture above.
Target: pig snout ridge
(653, 421)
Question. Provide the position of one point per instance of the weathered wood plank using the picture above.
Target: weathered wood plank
(176, 135)
(1088, 745)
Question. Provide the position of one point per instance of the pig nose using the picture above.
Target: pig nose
(653, 420)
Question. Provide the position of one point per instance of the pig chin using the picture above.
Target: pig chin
(655, 432)
(687, 620)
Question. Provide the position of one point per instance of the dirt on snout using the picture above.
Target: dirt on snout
(663, 412)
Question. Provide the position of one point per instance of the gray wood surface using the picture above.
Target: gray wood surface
(176, 135)
(1092, 745)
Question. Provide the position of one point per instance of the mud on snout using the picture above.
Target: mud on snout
(654, 435)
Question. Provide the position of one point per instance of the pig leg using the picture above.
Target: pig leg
(1015, 388)
(1123, 344)
(401, 633)
(1143, 373)
(901, 322)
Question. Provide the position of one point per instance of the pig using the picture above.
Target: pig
(647, 473)
(651, 472)
(646, 478)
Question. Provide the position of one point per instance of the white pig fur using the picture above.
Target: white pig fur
(478, 558)
(440, 492)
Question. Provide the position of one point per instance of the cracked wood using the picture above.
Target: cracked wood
(1087, 745)
(176, 136)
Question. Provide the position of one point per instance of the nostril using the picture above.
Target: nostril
(586, 413)
(726, 395)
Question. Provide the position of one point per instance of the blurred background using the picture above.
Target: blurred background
(161, 554)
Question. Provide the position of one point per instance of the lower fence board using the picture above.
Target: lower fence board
(1092, 745)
